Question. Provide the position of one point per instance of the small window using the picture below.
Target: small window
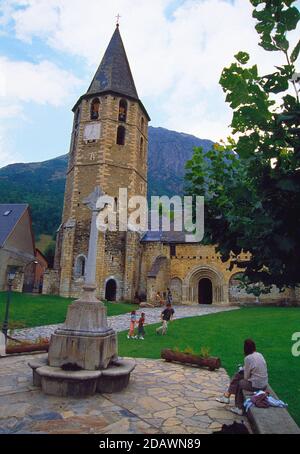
(141, 145)
(7, 213)
(142, 124)
(80, 266)
(123, 110)
(121, 135)
(173, 250)
(95, 109)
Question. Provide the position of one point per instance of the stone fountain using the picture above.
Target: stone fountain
(83, 353)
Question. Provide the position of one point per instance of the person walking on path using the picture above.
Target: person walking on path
(169, 296)
(166, 316)
(159, 299)
(133, 317)
(252, 377)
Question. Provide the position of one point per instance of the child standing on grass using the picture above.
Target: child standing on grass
(130, 334)
(141, 329)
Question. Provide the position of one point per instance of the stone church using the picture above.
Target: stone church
(109, 146)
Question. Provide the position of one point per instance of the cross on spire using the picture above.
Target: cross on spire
(118, 19)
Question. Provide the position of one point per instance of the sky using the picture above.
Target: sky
(50, 50)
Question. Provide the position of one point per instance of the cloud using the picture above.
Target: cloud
(6, 11)
(7, 153)
(23, 83)
(176, 59)
(42, 83)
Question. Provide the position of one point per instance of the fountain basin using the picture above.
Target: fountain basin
(55, 381)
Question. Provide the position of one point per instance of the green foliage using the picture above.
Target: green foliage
(252, 183)
(41, 185)
(205, 352)
(189, 351)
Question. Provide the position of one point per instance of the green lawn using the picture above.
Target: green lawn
(39, 310)
(224, 333)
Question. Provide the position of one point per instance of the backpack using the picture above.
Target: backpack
(235, 428)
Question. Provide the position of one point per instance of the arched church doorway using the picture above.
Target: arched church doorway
(204, 284)
(205, 291)
(111, 290)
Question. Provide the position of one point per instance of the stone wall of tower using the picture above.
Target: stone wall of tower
(132, 265)
(111, 166)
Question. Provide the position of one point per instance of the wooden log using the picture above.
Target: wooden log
(27, 348)
(185, 358)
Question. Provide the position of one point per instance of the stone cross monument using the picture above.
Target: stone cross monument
(86, 318)
(83, 356)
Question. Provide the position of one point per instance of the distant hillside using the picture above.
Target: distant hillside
(42, 184)
(168, 153)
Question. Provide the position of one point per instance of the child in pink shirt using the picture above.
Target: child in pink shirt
(133, 320)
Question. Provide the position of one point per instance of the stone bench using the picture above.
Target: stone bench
(271, 420)
(116, 377)
(35, 364)
(82, 383)
(59, 382)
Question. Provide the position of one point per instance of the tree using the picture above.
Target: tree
(252, 184)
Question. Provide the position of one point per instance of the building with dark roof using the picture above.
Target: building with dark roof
(17, 247)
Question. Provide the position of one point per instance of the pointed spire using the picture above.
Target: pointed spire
(114, 74)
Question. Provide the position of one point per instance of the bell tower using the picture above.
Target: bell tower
(108, 148)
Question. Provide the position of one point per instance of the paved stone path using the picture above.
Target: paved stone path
(162, 398)
(121, 322)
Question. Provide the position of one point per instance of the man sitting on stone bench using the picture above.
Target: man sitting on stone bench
(252, 377)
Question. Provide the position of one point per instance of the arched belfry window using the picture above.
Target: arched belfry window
(121, 135)
(123, 110)
(80, 266)
(141, 145)
(95, 109)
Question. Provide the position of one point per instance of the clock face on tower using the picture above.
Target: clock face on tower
(92, 132)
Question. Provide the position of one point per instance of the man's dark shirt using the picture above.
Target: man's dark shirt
(167, 313)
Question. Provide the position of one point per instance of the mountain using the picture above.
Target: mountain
(42, 184)
(168, 153)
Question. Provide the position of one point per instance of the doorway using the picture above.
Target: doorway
(111, 290)
(205, 291)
